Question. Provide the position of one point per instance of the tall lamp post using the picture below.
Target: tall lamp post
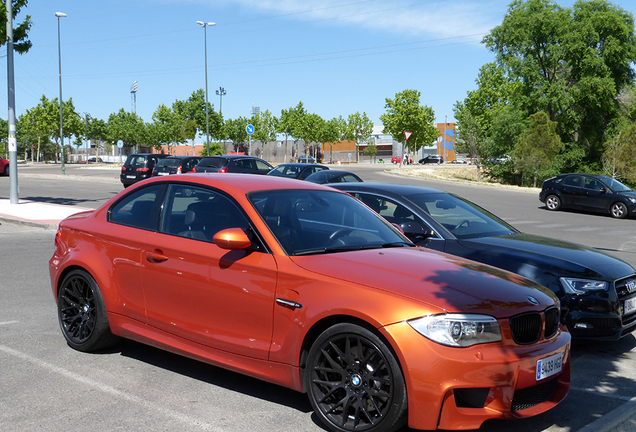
(207, 119)
(86, 120)
(220, 93)
(59, 53)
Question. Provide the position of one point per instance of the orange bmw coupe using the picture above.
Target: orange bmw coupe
(302, 285)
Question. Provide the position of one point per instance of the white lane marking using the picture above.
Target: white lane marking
(8, 322)
(190, 421)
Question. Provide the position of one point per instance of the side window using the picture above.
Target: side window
(389, 210)
(261, 166)
(574, 181)
(140, 209)
(245, 164)
(593, 184)
(199, 213)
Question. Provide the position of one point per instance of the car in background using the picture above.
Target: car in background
(303, 286)
(238, 164)
(305, 159)
(298, 171)
(93, 159)
(588, 192)
(176, 165)
(138, 166)
(436, 159)
(398, 159)
(4, 166)
(459, 161)
(333, 176)
(597, 290)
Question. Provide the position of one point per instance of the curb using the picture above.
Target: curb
(613, 418)
(4, 219)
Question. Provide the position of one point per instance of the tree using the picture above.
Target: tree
(167, 127)
(126, 126)
(312, 134)
(235, 132)
(404, 113)
(569, 62)
(265, 127)
(291, 124)
(39, 122)
(21, 42)
(358, 129)
(471, 138)
(371, 150)
(331, 132)
(619, 159)
(539, 144)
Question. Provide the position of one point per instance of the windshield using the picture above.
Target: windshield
(314, 221)
(461, 218)
(286, 171)
(615, 185)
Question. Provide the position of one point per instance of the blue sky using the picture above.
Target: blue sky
(336, 56)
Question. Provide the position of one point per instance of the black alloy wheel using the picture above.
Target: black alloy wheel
(354, 381)
(82, 314)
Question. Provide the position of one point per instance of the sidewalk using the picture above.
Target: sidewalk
(33, 213)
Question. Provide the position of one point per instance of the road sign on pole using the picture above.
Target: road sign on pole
(407, 135)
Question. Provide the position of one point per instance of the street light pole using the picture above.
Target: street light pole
(86, 119)
(59, 53)
(221, 92)
(207, 119)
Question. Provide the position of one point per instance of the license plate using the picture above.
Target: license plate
(630, 306)
(162, 173)
(131, 176)
(549, 366)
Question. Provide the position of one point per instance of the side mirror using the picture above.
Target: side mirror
(416, 232)
(232, 239)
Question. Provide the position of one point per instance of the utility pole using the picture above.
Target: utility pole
(13, 142)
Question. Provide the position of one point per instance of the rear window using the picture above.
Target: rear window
(136, 161)
(215, 162)
(172, 163)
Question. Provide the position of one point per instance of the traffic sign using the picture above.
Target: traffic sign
(249, 129)
(407, 135)
(120, 144)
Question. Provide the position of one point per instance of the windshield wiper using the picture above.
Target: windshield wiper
(351, 248)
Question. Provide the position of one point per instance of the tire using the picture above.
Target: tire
(6, 170)
(553, 202)
(619, 210)
(344, 363)
(82, 314)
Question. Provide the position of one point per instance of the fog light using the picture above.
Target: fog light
(583, 326)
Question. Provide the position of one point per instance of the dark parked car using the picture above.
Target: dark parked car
(239, 164)
(597, 290)
(4, 166)
(298, 171)
(138, 166)
(95, 160)
(591, 192)
(176, 165)
(333, 176)
(436, 159)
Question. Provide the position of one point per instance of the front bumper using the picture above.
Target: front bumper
(460, 388)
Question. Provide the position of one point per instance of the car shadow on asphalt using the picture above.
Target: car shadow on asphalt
(65, 201)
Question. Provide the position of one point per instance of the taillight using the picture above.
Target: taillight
(194, 169)
(223, 170)
(143, 169)
(123, 168)
(58, 237)
(179, 170)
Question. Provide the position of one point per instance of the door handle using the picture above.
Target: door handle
(156, 256)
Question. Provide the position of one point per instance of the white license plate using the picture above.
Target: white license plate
(630, 306)
(162, 173)
(131, 176)
(549, 366)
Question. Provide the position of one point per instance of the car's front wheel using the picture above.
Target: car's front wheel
(82, 314)
(553, 202)
(619, 210)
(6, 170)
(354, 381)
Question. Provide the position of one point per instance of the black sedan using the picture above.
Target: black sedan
(333, 176)
(436, 159)
(591, 192)
(176, 165)
(596, 289)
(298, 171)
(239, 164)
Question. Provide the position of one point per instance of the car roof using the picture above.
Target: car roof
(182, 157)
(299, 164)
(388, 188)
(231, 156)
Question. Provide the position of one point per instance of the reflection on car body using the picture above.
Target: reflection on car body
(304, 286)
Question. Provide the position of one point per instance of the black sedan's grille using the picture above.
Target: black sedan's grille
(526, 328)
(626, 286)
(531, 396)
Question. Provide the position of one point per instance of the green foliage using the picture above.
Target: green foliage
(128, 127)
(235, 131)
(21, 42)
(404, 113)
(358, 129)
(619, 159)
(538, 144)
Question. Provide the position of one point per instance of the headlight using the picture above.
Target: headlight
(458, 330)
(582, 286)
(631, 200)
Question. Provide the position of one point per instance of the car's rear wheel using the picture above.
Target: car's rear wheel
(6, 170)
(354, 381)
(553, 202)
(82, 314)
(618, 210)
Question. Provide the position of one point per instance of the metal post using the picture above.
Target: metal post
(13, 144)
(59, 51)
(207, 119)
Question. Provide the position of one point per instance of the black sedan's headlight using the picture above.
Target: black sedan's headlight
(582, 286)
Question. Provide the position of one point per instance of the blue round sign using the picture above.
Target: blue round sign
(249, 129)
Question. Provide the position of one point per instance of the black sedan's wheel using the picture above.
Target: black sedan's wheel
(619, 210)
(354, 382)
(553, 202)
(82, 314)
